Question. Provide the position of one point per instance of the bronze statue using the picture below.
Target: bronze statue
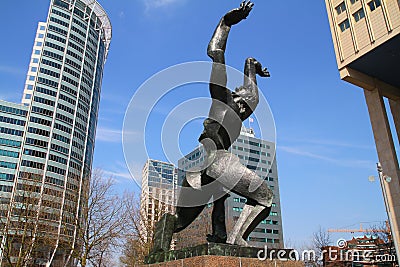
(221, 128)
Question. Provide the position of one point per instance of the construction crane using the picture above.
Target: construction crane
(362, 230)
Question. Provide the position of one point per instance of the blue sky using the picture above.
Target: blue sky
(325, 147)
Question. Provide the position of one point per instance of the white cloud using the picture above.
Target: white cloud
(12, 70)
(112, 135)
(364, 164)
(121, 172)
(160, 3)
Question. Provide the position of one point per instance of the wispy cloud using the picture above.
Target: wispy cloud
(150, 4)
(112, 135)
(365, 164)
(334, 143)
(121, 173)
(12, 70)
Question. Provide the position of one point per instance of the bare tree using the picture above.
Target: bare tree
(101, 225)
(25, 237)
(380, 230)
(140, 230)
(320, 239)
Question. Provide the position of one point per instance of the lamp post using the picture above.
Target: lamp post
(384, 179)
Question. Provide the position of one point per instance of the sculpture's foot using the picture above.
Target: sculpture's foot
(215, 239)
(164, 229)
(238, 241)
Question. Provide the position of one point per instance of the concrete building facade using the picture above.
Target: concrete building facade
(47, 142)
(259, 156)
(366, 38)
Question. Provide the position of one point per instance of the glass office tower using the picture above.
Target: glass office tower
(47, 143)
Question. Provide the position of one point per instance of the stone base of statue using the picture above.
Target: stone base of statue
(213, 254)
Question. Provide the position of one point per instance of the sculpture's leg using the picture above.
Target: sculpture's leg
(227, 168)
(218, 222)
(248, 220)
(185, 215)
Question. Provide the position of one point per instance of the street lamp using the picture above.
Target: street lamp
(384, 179)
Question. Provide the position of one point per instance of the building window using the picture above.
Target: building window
(374, 4)
(33, 69)
(35, 60)
(353, 1)
(31, 78)
(344, 25)
(37, 52)
(39, 43)
(341, 8)
(41, 35)
(359, 15)
(42, 28)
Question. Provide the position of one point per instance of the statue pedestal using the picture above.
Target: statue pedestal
(226, 261)
(223, 255)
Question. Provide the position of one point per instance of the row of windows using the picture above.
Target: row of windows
(46, 91)
(58, 30)
(358, 15)
(38, 131)
(36, 142)
(35, 153)
(83, 34)
(55, 169)
(72, 63)
(11, 131)
(8, 165)
(79, 136)
(70, 81)
(44, 101)
(267, 240)
(63, 118)
(77, 145)
(82, 117)
(77, 39)
(32, 164)
(80, 126)
(61, 14)
(68, 90)
(58, 21)
(72, 72)
(60, 149)
(7, 177)
(58, 159)
(75, 55)
(12, 121)
(54, 46)
(252, 143)
(65, 108)
(8, 142)
(76, 47)
(5, 188)
(42, 111)
(52, 180)
(78, 22)
(61, 138)
(40, 121)
(11, 110)
(52, 55)
(76, 155)
(51, 63)
(50, 73)
(30, 176)
(75, 165)
(48, 82)
(68, 99)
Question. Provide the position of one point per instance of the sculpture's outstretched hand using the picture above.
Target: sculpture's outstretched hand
(238, 14)
(263, 72)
